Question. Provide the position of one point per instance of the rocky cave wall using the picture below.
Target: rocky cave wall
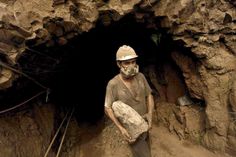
(206, 27)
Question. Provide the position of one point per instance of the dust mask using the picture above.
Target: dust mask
(129, 71)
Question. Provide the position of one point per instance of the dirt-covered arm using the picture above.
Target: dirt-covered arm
(109, 112)
(150, 106)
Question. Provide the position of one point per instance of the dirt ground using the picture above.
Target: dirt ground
(165, 144)
(106, 141)
(21, 136)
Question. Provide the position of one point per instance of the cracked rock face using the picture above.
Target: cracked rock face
(43, 21)
(206, 27)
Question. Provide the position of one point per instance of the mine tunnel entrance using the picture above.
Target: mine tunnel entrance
(85, 64)
(91, 63)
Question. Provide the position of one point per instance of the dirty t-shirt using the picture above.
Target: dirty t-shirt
(137, 98)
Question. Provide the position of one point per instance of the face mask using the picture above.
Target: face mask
(129, 71)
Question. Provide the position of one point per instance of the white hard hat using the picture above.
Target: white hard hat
(125, 52)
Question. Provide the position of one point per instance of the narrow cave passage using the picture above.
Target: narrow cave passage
(86, 63)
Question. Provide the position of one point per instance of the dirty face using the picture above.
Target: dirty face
(126, 63)
(128, 68)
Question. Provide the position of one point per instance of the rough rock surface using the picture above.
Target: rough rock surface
(206, 27)
(27, 133)
(185, 121)
(130, 119)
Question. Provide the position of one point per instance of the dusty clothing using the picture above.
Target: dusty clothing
(136, 97)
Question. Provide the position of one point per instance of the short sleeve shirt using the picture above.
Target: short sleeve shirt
(136, 98)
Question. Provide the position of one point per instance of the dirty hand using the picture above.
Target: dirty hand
(125, 133)
(148, 118)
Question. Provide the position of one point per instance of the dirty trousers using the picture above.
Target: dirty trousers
(141, 148)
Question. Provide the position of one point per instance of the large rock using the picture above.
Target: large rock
(130, 119)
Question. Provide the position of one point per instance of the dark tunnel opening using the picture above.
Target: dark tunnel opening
(77, 72)
(91, 63)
